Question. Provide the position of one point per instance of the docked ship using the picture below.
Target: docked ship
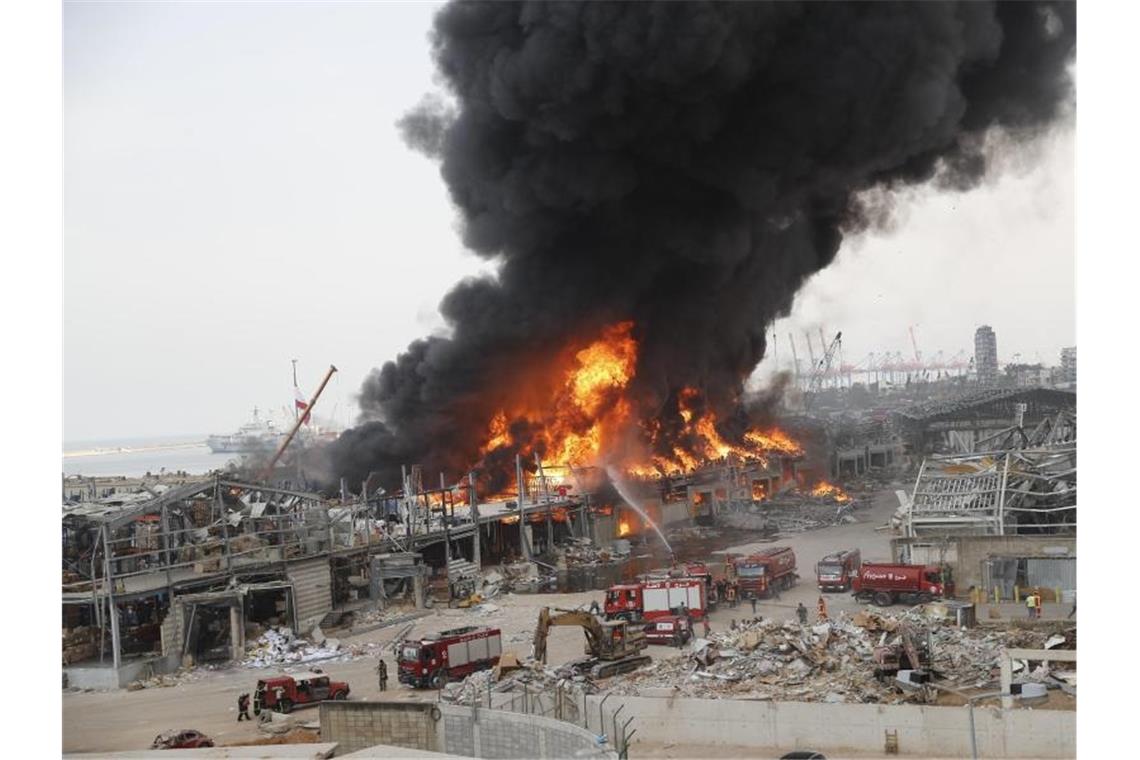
(254, 436)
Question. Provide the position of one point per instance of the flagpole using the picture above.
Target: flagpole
(296, 390)
(308, 410)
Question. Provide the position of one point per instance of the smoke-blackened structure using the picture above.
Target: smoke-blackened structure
(685, 167)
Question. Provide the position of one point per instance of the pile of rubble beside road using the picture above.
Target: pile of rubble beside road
(278, 646)
(830, 661)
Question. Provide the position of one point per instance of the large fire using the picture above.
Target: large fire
(588, 420)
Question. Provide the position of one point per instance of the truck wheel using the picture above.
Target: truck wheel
(340, 696)
(438, 679)
(925, 598)
(882, 599)
(285, 706)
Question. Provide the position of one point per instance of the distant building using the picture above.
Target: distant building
(1069, 364)
(985, 355)
(1027, 375)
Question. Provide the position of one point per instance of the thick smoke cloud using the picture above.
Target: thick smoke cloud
(686, 166)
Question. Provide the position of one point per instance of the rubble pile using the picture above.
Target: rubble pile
(378, 618)
(793, 513)
(831, 661)
(278, 646)
(534, 678)
(522, 577)
(581, 552)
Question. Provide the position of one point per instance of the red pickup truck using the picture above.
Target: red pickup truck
(283, 693)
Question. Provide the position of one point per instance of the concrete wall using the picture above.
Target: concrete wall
(967, 554)
(776, 727)
(356, 725)
(454, 729)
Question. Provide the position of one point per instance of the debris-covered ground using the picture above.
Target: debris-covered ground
(831, 661)
(828, 661)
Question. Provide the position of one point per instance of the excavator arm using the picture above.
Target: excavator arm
(584, 620)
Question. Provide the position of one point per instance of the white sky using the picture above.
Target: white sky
(237, 195)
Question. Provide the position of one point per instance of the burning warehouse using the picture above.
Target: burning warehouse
(654, 183)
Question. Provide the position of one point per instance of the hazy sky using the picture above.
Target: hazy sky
(237, 196)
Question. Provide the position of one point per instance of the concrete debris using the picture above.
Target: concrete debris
(278, 646)
(825, 662)
(581, 552)
(492, 584)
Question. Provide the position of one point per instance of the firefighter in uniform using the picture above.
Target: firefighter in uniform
(821, 609)
(382, 670)
(801, 613)
(1031, 604)
(243, 707)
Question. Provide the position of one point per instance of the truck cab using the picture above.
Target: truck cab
(838, 571)
(624, 601)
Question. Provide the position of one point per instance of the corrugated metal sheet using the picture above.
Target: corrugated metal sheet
(1052, 573)
(312, 591)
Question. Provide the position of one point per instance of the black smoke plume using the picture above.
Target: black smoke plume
(686, 166)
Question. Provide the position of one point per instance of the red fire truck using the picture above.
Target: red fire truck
(450, 654)
(885, 584)
(697, 570)
(759, 575)
(837, 571)
(651, 600)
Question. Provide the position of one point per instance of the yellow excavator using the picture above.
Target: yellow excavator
(613, 645)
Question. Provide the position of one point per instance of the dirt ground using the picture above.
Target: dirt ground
(123, 720)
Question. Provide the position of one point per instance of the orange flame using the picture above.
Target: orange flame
(824, 489)
(624, 528)
(588, 413)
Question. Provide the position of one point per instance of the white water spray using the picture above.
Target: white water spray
(623, 491)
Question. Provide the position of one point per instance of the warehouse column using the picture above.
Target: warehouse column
(473, 501)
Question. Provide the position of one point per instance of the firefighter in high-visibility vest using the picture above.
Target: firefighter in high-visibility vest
(821, 609)
(1031, 604)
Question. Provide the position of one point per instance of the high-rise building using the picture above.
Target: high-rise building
(1069, 364)
(985, 355)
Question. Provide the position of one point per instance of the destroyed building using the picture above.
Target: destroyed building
(971, 423)
(1003, 515)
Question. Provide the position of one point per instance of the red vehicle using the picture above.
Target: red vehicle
(283, 693)
(759, 575)
(837, 571)
(187, 738)
(653, 600)
(885, 584)
(698, 570)
(450, 654)
(674, 630)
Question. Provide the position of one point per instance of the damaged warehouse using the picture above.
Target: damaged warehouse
(149, 585)
(1005, 520)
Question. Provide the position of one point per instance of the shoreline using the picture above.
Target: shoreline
(132, 449)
